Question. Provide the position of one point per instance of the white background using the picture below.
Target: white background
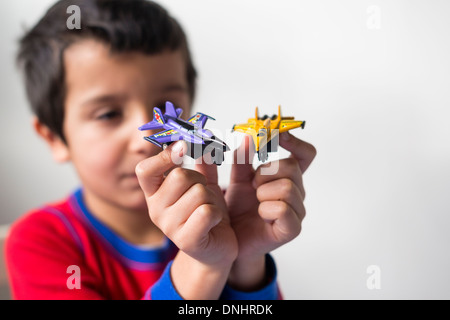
(377, 106)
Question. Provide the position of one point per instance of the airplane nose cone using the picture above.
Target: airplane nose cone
(219, 142)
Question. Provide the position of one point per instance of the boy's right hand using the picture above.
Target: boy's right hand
(191, 211)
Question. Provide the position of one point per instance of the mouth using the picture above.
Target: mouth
(130, 178)
(130, 175)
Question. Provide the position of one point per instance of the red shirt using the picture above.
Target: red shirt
(52, 251)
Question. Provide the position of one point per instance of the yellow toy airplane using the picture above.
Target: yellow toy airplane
(264, 130)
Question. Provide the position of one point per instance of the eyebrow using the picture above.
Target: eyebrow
(107, 98)
(174, 87)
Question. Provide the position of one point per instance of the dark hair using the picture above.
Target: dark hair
(125, 25)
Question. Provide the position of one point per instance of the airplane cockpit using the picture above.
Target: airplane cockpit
(265, 117)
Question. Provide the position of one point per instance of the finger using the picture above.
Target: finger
(176, 184)
(242, 169)
(287, 169)
(281, 190)
(150, 172)
(283, 223)
(195, 232)
(205, 166)
(174, 218)
(302, 151)
(209, 171)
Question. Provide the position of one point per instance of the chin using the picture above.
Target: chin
(136, 202)
(140, 207)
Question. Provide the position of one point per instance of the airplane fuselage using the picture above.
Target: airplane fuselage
(187, 129)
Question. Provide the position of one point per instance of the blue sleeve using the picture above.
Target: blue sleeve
(164, 289)
(269, 292)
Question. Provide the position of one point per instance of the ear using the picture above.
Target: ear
(59, 149)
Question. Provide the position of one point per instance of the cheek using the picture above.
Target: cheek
(97, 159)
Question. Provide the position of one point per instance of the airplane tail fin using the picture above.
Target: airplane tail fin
(283, 118)
(157, 122)
(158, 116)
(170, 109)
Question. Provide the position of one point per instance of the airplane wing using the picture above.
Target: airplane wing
(286, 125)
(199, 118)
(163, 137)
(244, 128)
(249, 129)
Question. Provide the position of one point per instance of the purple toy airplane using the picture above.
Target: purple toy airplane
(200, 141)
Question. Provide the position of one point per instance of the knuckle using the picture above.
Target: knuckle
(313, 151)
(155, 216)
(287, 186)
(183, 243)
(297, 230)
(140, 169)
(200, 193)
(209, 212)
(302, 213)
(204, 210)
(143, 168)
(164, 225)
(179, 174)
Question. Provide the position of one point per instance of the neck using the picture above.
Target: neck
(134, 226)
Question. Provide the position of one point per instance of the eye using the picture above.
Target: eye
(109, 115)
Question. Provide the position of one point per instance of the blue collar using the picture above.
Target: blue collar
(135, 256)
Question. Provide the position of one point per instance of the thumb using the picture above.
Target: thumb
(302, 151)
(150, 172)
(242, 169)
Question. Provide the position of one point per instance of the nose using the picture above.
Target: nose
(137, 143)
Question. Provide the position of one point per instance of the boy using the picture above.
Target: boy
(90, 89)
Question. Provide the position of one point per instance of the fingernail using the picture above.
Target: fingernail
(178, 148)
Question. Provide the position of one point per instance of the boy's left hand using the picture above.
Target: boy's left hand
(265, 206)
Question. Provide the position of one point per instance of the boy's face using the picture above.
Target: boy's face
(108, 97)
